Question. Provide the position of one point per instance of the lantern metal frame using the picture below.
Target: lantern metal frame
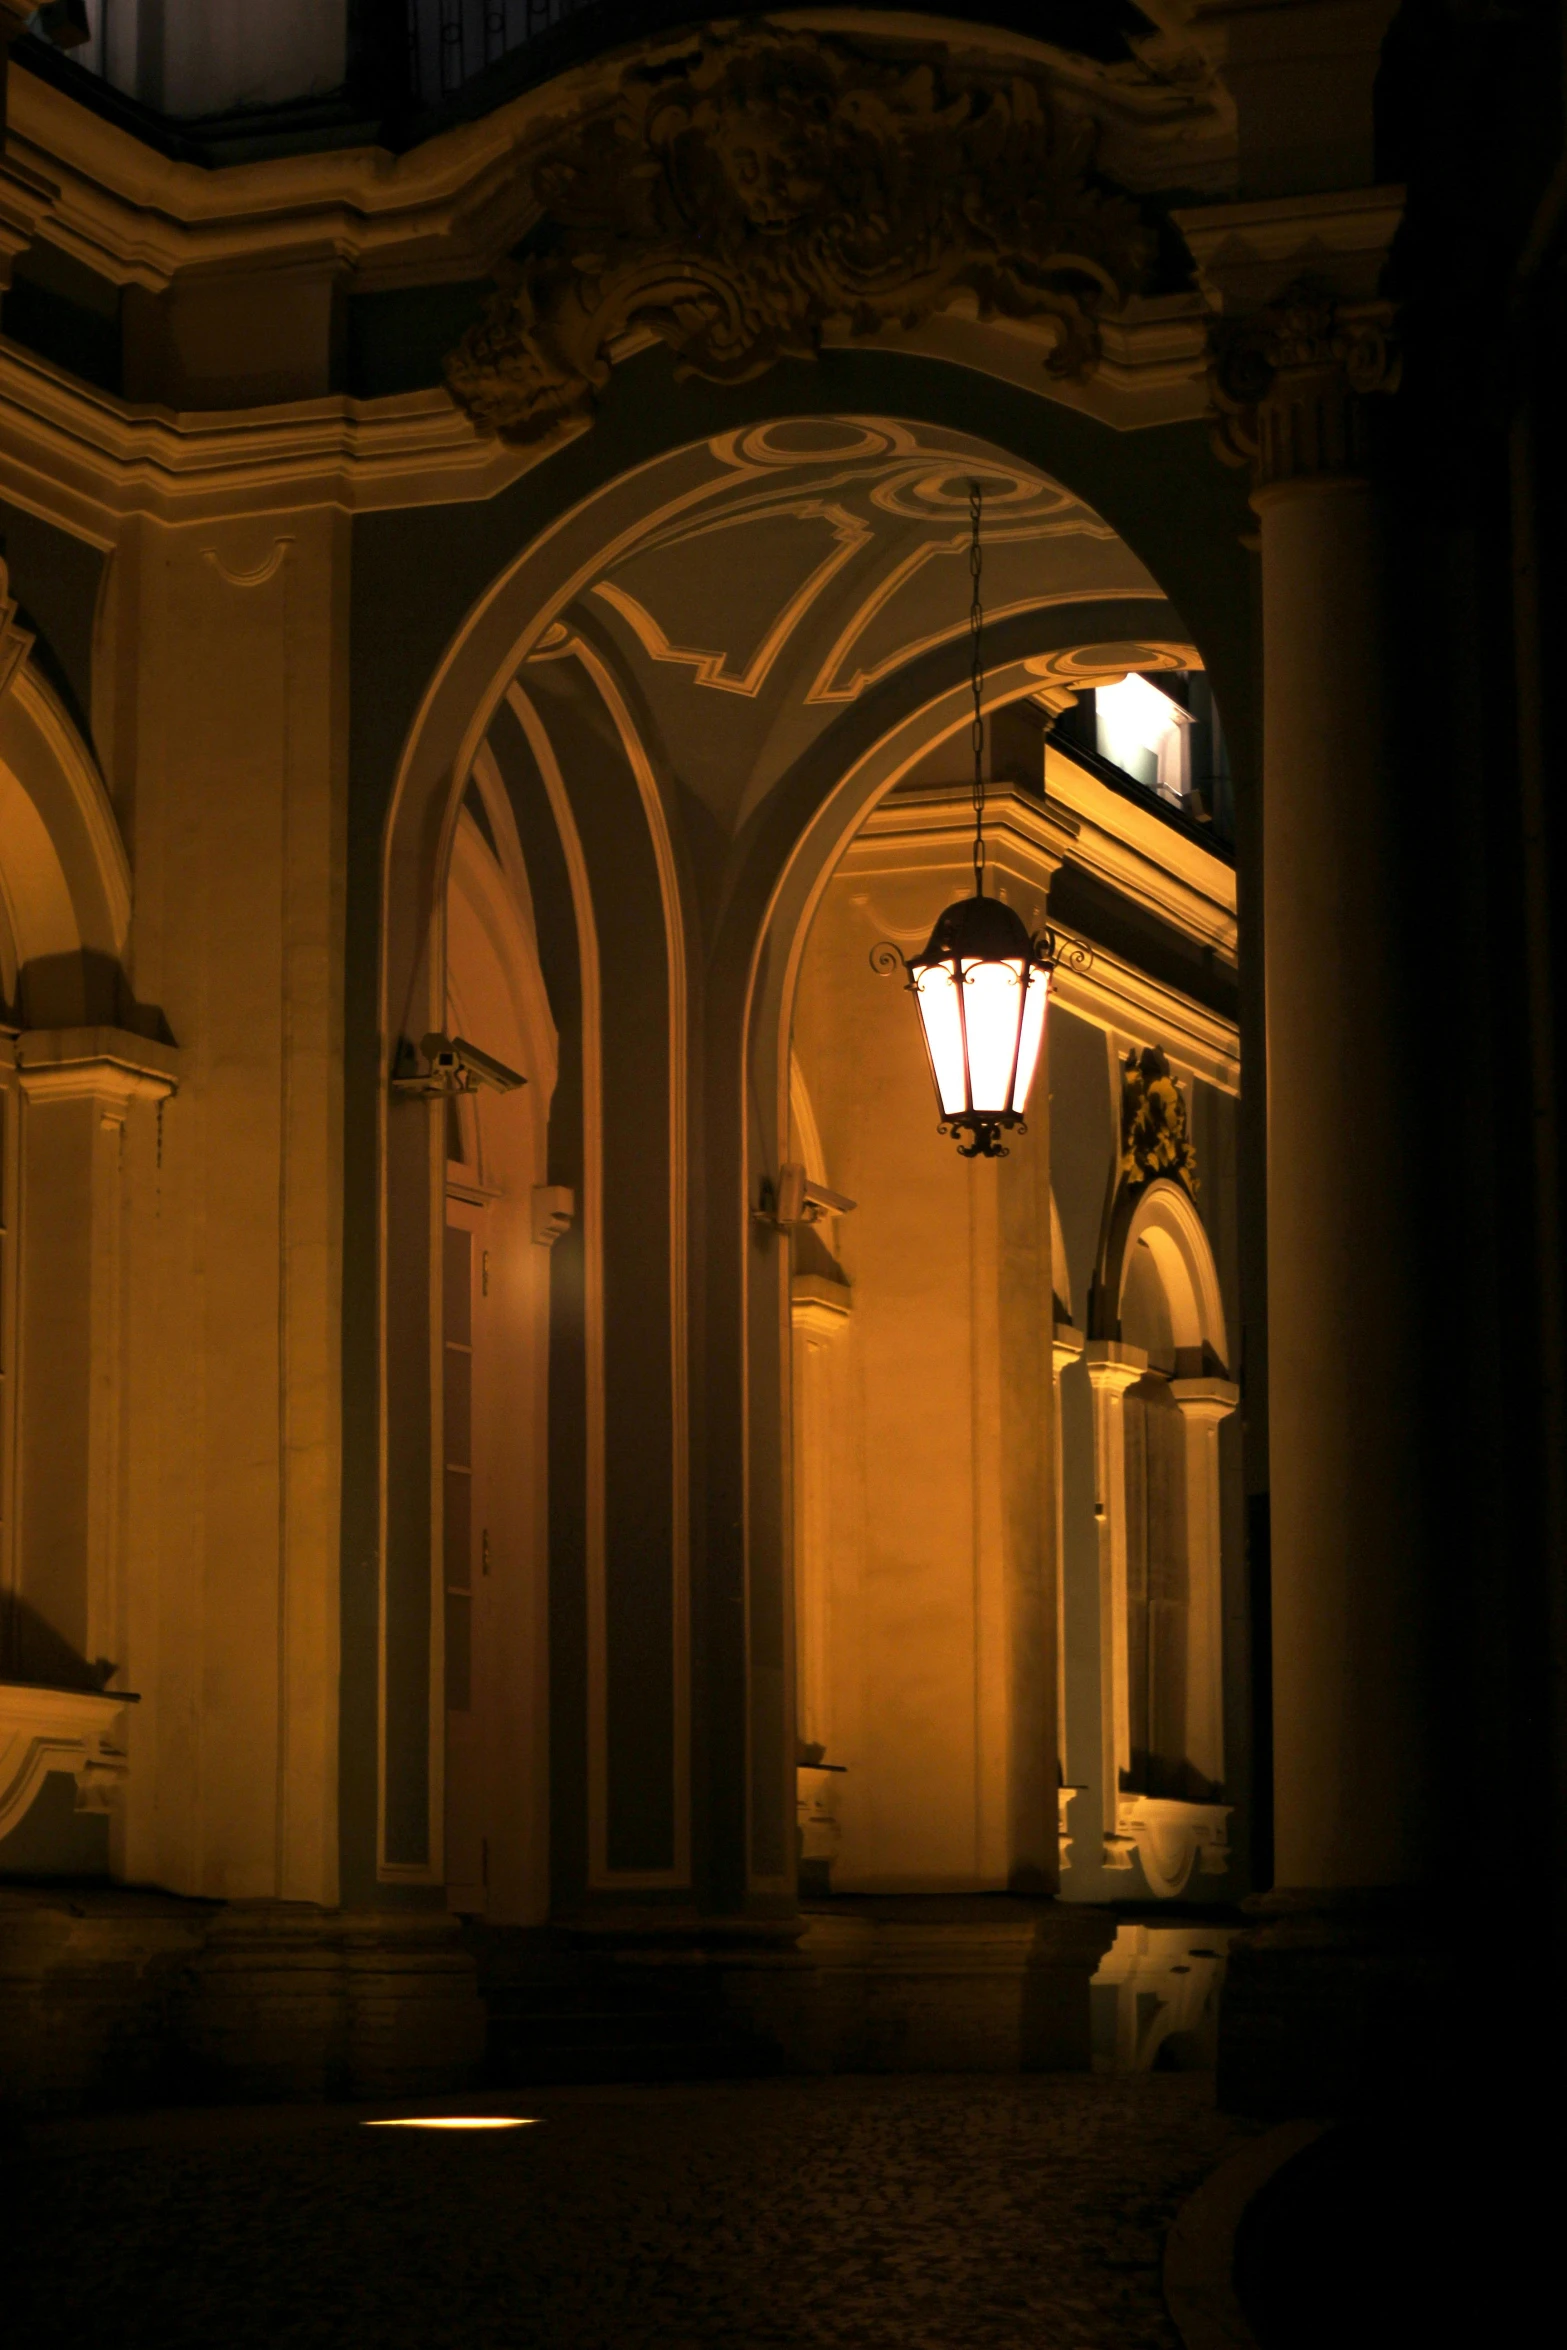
(981, 932)
(969, 932)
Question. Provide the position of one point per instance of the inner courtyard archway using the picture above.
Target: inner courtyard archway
(692, 688)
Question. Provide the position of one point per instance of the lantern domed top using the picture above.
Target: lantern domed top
(978, 930)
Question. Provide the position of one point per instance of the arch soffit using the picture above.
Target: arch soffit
(514, 617)
(63, 869)
(1162, 1216)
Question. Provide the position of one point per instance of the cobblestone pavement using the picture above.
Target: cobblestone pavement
(931, 2213)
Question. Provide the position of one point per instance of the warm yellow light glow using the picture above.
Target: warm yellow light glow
(1031, 1038)
(455, 2121)
(937, 998)
(1144, 732)
(990, 1011)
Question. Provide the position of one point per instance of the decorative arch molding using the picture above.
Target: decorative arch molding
(65, 883)
(1169, 1836)
(1162, 1217)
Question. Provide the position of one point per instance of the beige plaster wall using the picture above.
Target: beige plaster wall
(220, 706)
(941, 1611)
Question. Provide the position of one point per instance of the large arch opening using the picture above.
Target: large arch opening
(696, 684)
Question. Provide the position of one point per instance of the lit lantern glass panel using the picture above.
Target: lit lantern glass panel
(936, 992)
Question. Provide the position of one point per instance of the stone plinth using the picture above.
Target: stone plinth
(895, 1984)
(110, 1997)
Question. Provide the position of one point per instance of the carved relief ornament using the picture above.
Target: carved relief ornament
(759, 187)
(1290, 382)
(1155, 1136)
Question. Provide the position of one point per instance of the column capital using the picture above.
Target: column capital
(1111, 1367)
(1205, 1400)
(818, 1308)
(1290, 382)
(1298, 336)
(108, 1064)
(1066, 1347)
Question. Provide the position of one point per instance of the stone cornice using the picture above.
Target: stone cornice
(86, 459)
(108, 1064)
(1246, 254)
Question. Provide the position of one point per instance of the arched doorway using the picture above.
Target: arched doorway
(690, 872)
(500, 1224)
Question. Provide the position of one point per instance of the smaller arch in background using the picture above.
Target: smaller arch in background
(65, 882)
(1155, 1230)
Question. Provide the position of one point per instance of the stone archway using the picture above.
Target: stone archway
(536, 630)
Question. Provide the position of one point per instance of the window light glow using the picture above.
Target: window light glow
(454, 2121)
(1146, 735)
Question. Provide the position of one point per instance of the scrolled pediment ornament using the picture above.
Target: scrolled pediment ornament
(760, 188)
(1289, 383)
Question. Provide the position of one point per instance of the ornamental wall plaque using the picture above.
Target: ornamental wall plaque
(745, 195)
(1155, 1139)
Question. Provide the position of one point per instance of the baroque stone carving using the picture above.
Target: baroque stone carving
(1289, 383)
(758, 187)
(1155, 1139)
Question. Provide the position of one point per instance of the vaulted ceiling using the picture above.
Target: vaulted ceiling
(824, 559)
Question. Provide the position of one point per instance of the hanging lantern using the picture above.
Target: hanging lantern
(981, 985)
(980, 989)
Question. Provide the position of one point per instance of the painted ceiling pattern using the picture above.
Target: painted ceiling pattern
(826, 555)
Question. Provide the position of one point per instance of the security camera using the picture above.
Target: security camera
(796, 1199)
(475, 1067)
(456, 1066)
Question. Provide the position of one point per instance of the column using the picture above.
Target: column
(1343, 1946)
(1112, 1369)
(819, 1313)
(1349, 1739)
(1066, 1347)
(1203, 1405)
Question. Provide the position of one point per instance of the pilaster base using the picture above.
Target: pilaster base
(113, 1998)
(892, 1984)
(1335, 2003)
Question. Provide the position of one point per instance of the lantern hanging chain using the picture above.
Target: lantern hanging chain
(976, 619)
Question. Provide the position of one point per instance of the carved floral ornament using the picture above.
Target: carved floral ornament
(758, 187)
(1289, 383)
(1155, 1137)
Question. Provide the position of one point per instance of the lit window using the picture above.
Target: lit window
(1147, 735)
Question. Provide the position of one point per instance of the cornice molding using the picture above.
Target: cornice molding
(75, 1730)
(85, 459)
(1143, 859)
(1246, 254)
(106, 1064)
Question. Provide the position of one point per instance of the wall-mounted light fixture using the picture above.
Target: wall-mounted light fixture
(981, 985)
